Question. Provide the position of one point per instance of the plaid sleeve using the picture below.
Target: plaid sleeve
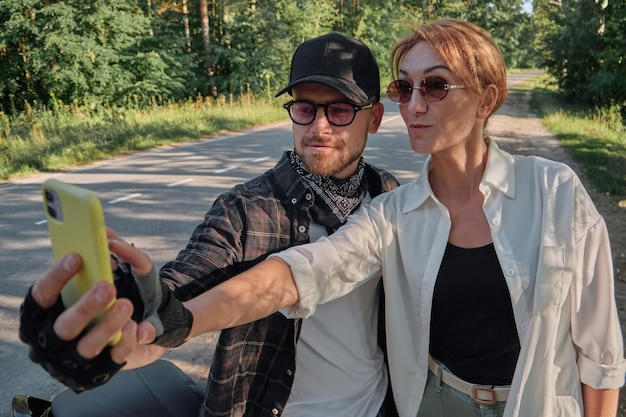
(214, 246)
(238, 231)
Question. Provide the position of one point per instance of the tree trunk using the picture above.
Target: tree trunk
(186, 25)
(206, 40)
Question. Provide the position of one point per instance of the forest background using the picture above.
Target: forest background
(86, 77)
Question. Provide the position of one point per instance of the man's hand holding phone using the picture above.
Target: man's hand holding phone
(59, 338)
(100, 302)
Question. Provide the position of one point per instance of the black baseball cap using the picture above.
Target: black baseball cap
(340, 62)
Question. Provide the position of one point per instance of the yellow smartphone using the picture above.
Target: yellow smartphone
(76, 224)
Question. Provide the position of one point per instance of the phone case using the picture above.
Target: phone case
(76, 224)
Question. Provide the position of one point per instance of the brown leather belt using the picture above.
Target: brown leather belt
(481, 394)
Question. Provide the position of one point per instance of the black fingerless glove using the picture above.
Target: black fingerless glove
(155, 302)
(59, 357)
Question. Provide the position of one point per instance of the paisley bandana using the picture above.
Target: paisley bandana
(334, 199)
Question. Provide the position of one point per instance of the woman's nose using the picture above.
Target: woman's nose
(417, 104)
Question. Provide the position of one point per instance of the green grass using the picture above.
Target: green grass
(595, 138)
(42, 140)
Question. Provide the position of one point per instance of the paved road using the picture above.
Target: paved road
(153, 199)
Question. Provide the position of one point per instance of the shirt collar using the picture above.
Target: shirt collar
(499, 175)
(289, 182)
(500, 170)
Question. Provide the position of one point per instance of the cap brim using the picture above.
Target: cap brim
(349, 89)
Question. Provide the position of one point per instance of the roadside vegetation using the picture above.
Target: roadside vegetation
(595, 137)
(42, 139)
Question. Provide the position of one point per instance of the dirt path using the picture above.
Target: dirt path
(518, 131)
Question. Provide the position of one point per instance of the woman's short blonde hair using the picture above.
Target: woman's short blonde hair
(466, 49)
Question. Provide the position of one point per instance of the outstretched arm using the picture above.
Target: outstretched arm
(249, 296)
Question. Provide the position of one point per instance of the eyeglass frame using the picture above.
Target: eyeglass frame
(420, 88)
(316, 106)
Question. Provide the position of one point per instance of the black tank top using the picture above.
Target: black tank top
(472, 329)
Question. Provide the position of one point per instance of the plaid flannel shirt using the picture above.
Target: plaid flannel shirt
(253, 365)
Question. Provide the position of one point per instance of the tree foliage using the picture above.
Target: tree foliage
(131, 52)
(79, 52)
(584, 48)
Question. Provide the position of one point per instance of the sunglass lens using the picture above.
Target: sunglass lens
(434, 88)
(302, 112)
(399, 91)
(340, 114)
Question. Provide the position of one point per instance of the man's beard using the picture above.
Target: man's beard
(322, 164)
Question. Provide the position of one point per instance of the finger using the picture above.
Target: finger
(95, 340)
(119, 245)
(73, 320)
(112, 234)
(46, 290)
(127, 252)
(139, 261)
(146, 333)
(127, 343)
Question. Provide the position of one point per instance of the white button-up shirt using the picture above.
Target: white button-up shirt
(554, 251)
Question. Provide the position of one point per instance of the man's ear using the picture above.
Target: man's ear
(488, 101)
(378, 110)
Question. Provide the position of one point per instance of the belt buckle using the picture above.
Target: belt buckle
(476, 390)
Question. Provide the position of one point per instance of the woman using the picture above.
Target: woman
(497, 268)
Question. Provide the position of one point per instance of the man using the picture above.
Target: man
(339, 368)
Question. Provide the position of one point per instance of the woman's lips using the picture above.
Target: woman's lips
(418, 126)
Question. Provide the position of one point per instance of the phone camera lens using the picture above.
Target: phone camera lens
(52, 212)
(49, 196)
